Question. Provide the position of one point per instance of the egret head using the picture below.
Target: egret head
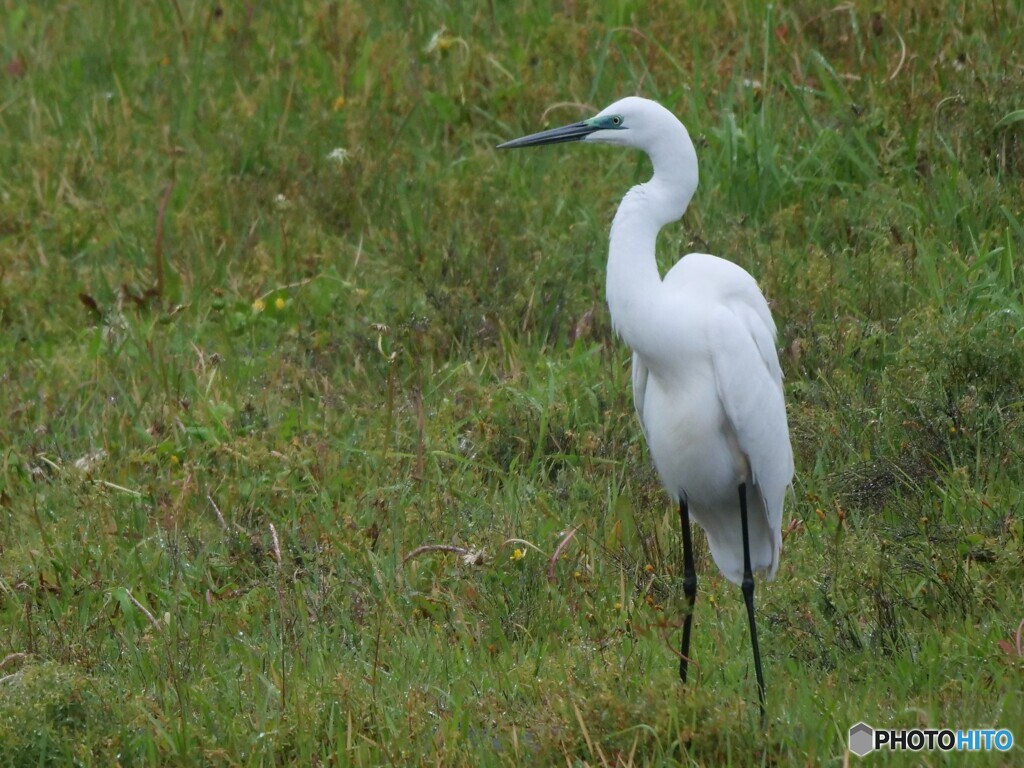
(640, 124)
(629, 122)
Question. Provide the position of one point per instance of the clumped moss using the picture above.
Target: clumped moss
(52, 714)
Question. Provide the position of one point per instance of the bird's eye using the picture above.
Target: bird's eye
(616, 120)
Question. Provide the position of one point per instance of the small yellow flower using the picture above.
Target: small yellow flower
(518, 554)
(174, 459)
(618, 606)
(439, 41)
(279, 303)
(259, 305)
(339, 103)
(649, 568)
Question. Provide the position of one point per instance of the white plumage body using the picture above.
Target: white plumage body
(684, 402)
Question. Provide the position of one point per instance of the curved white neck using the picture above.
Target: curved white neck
(633, 282)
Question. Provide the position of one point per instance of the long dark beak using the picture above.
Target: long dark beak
(573, 132)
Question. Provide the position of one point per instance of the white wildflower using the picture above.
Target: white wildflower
(338, 155)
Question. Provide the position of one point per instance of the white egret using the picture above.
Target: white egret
(707, 384)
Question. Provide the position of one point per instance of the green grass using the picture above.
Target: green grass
(242, 381)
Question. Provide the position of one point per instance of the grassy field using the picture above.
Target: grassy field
(276, 321)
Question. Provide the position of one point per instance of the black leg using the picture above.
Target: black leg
(748, 597)
(689, 584)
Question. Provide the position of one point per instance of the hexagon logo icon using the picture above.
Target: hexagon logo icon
(862, 739)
